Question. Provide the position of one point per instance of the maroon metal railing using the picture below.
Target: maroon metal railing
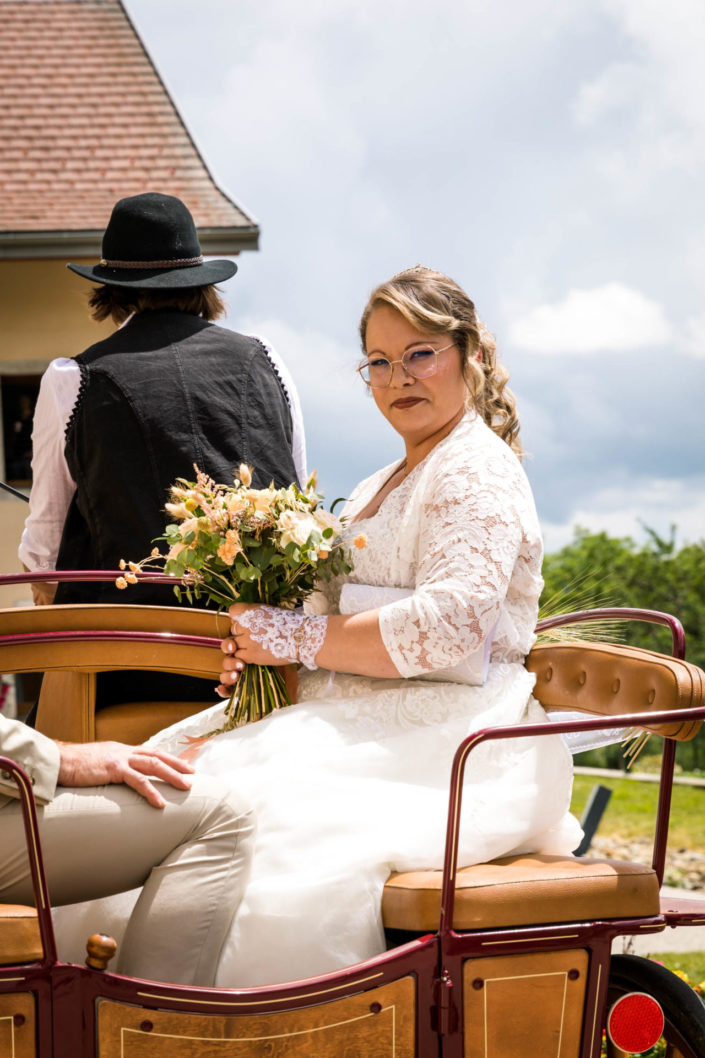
(53, 576)
(36, 862)
(621, 613)
(566, 727)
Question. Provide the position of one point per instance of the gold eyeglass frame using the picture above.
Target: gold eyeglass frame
(365, 363)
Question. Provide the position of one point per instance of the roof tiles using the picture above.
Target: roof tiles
(85, 120)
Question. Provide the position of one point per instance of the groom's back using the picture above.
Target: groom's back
(165, 392)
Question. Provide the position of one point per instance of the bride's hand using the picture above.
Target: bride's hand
(269, 635)
(241, 649)
(247, 640)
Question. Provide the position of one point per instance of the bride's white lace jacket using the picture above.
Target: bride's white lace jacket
(453, 559)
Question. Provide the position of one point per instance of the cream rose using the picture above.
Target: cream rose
(295, 527)
(325, 520)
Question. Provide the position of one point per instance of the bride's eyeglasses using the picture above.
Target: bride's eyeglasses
(419, 362)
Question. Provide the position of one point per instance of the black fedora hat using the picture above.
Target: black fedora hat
(151, 243)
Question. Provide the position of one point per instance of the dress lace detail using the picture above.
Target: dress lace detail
(461, 534)
(290, 636)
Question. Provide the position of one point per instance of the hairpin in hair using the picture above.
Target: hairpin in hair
(417, 269)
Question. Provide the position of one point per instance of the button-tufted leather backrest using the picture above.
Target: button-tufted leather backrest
(612, 680)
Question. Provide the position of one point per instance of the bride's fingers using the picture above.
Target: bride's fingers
(228, 645)
(233, 666)
(227, 683)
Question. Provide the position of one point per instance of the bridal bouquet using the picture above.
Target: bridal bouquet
(233, 543)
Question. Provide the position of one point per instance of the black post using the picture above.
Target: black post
(13, 491)
(594, 810)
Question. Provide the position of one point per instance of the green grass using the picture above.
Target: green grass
(691, 963)
(632, 810)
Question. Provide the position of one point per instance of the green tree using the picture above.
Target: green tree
(596, 570)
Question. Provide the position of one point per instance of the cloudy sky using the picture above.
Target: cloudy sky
(547, 156)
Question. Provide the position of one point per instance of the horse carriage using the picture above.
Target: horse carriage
(508, 959)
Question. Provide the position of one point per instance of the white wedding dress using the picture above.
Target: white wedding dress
(351, 783)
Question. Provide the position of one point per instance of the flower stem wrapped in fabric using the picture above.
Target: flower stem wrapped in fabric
(233, 543)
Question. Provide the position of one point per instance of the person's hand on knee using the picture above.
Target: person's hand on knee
(100, 763)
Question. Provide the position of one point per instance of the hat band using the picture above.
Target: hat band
(182, 262)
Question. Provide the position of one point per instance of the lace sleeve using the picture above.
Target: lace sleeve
(469, 542)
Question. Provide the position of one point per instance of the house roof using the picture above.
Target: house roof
(85, 120)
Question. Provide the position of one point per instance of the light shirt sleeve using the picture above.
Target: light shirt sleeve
(52, 484)
(37, 754)
(298, 439)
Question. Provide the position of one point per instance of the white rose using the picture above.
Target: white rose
(325, 520)
(295, 527)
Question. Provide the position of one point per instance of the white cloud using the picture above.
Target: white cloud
(346, 436)
(611, 318)
(694, 337)
(658, 503)
(657, 93)
(617, 87)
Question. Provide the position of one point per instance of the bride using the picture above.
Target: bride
(422, 644)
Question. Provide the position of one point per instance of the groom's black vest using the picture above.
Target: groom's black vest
(165, 392)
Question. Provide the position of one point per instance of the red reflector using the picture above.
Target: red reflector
(635, 1022)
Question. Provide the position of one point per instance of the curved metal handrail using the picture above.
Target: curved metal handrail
(450, 863)
(89, 575)
(36, 861)
(622, 613)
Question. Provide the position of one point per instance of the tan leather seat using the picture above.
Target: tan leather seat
(20, 940)
(524, 891)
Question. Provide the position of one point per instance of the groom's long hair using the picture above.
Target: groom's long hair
(119, 303)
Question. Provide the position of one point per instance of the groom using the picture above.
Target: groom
(115, 426)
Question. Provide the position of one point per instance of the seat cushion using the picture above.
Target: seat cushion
(20, 940)
(524, 890)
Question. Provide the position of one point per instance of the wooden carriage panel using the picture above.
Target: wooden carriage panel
(379, 1023)
(520, 1005)
(17, 1025)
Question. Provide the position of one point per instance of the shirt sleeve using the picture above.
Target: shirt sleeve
(52, 484)
(37, 754)
(470, 537)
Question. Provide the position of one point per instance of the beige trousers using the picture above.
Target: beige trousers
(192, 857)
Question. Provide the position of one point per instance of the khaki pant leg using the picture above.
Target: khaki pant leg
(192, 857)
